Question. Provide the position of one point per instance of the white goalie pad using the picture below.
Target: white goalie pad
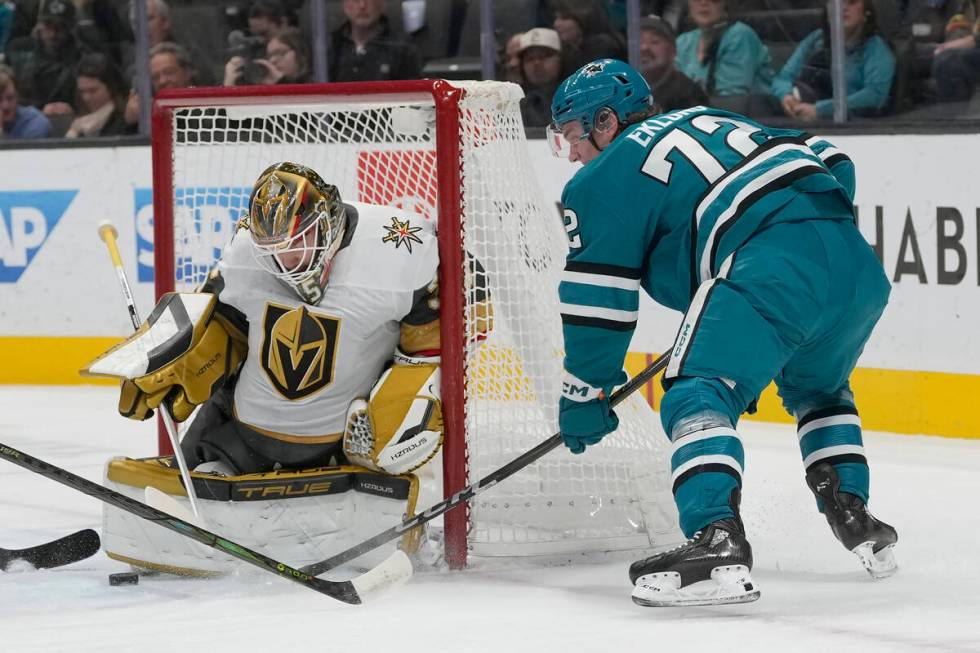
(301, 517)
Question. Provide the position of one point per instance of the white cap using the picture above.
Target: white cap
(541, 37)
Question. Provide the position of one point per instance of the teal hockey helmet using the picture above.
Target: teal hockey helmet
(603, 83)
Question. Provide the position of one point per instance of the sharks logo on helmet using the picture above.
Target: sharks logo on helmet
(601, 84)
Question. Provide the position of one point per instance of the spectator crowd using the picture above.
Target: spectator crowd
(67, 67)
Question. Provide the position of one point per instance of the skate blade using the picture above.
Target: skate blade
(729, 584)
(879, 565)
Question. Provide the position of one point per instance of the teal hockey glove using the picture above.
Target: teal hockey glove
(584, 415)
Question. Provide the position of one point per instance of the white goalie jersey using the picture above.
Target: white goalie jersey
(307, 362)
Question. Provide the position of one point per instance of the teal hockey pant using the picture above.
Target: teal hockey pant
(796, 306)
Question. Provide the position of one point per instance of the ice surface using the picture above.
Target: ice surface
(815, 597)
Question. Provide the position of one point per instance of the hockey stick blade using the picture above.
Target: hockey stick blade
(346, 591)
(64, 551)
(484, 483)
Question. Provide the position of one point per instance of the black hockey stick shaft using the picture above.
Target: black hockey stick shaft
(342, 591)
(484, 483)
(63, 551)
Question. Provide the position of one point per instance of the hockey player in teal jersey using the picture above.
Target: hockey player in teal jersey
(749, 232)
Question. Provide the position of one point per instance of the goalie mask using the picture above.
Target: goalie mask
(297, 222)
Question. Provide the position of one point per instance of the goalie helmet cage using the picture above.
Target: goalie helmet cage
(453, 153)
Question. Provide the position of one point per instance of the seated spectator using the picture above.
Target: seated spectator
(803, 87)
(956, 68)
(671, 88)
(364, 48)
(266, 20)
(586, 33)
(170, 67)
(540, 55)
(16, 120)
(100, 94)
(44, 64)
(287, 61)
(512, 59)
(159, 30)
(725, 57)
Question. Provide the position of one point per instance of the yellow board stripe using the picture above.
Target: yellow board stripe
(51, 360)
(899, 401)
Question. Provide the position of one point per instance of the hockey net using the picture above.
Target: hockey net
(453, 153)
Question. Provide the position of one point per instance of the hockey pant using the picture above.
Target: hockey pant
(796, 306)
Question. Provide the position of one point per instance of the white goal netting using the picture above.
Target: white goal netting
(382, 148)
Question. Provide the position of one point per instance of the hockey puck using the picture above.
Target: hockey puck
(124, 578)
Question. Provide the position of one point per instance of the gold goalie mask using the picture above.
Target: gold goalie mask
(297, 222)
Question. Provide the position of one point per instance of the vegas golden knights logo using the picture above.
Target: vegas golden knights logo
(298, 350)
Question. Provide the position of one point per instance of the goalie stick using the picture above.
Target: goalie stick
(395, 569)
(108, 234)
(63, 551)
(484, 483)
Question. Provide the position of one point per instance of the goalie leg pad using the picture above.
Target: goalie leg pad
(302, 516)
(399, 428)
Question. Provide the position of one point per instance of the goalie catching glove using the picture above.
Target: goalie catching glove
(399, 428)
(181, 354)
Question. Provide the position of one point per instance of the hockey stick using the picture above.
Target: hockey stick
(63, 551)
(484, 483)
(108, 234)
(396, 569)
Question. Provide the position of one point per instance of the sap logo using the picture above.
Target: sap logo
(209, 215)
(27, 218)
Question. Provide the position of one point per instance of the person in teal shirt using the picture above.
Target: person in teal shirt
(749, 232)
(725, 57)
(803, 87)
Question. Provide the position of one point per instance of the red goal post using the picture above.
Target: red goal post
(453, 153)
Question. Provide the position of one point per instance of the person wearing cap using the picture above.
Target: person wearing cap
(44, 63)
(541, 70)
(658, 54)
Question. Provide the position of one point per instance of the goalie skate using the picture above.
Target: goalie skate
(869, 538)
(712, 568)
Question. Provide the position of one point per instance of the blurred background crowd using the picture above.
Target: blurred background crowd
(70, 68)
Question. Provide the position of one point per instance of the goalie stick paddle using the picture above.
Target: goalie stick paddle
(484, 483)
(63, 551)
(395, 569)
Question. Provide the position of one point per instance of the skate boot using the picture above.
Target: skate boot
(870, 539)
(709, 569)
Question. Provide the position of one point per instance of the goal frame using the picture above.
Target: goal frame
(447, 152)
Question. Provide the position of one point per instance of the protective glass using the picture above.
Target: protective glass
(560, 146)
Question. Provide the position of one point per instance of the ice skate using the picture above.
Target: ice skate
(870, 539)
(711, 568)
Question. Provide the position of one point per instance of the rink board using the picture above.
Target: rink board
(60, 305)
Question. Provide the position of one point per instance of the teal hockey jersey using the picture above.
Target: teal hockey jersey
(663, 208)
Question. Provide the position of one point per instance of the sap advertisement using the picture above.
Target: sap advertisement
(915, 202)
